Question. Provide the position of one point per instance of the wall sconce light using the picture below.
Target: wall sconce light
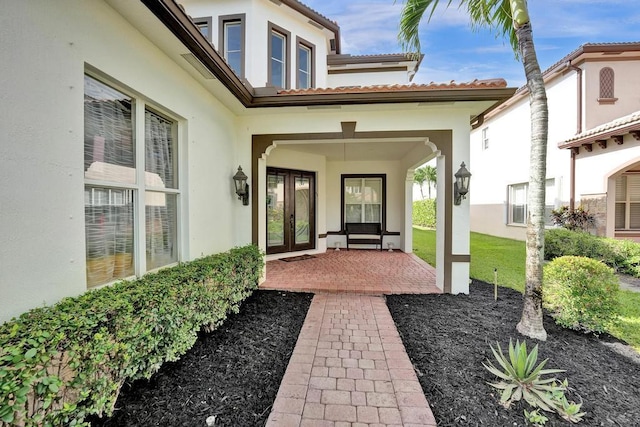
(461, 187)
(242, 188)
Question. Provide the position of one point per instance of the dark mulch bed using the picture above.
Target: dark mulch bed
(233, 372)
(448, 337)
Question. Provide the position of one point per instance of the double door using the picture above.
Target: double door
(290, 210)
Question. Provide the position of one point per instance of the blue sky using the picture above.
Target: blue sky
(455, 52)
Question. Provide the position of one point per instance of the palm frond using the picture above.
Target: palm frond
(495, 14)
(412, 14)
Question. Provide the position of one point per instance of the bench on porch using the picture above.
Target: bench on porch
(364, 233)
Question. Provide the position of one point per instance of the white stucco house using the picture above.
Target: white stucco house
(593, 154)
(124, 122)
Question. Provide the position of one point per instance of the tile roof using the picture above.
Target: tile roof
(452, 85)
(587, 48)
(620, 125)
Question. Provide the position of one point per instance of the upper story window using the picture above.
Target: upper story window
(306, 64)
(485, 138)
(278, 68)
(607, 85)
(204, 24)
(131, 187)
(231, 41)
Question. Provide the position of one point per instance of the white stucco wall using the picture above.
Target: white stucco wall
(258, 14)
(626, 90)
(593, 169)
(46, 47)
(506, 161)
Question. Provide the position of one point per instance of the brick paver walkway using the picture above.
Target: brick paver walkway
(361, 271)
(349, 368)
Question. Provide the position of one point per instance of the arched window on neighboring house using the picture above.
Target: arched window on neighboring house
(607, 80)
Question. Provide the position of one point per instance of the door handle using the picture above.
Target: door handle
(291, 222)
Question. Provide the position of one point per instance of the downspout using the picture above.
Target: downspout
(572, 168)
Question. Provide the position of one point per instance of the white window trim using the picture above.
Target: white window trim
(139, 105)
(485, 138)
(526, 204)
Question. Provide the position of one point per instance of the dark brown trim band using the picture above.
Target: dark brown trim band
(443, 139)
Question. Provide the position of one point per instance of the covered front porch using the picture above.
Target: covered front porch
(353, 271)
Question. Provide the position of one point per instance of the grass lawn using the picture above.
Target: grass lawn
(508, 257)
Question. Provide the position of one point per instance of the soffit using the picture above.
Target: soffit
(359, 149)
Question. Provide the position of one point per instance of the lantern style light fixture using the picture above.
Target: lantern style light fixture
(461, 187)
(242, 188)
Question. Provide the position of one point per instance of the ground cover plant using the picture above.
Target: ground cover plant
(507, 255)
(232, 373)
(61, 363)
(448, 337)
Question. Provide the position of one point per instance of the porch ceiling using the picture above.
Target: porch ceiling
(362, 149)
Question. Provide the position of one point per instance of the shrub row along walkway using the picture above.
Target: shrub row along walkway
(350, 368)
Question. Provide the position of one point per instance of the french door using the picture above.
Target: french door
(290, 210)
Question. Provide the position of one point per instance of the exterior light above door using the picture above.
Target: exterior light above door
(242, 188)
(461, 186)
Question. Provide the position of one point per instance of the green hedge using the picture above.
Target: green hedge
(621, 255)
(62, 363)
(424, 213)
(581, 293)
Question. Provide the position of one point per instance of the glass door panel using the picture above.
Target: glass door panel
(302, 213)
(275, 210)
(290, 210)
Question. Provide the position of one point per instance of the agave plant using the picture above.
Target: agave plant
(521, 377)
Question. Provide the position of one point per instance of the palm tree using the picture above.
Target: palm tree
(510, 18)
(430, 177)
(419, 177)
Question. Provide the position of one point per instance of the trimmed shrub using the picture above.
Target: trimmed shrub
(581, 293)
(622, 255)
(424, 213)
(626, 254)
(562, 242)
(61, 363)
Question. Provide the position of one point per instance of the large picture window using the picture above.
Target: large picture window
(122, 176)
(278, 69)
(518, 206)
(363, 198)
(628, 202)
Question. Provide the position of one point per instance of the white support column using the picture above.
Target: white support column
(407, 235)
(461, 214)
(440, 221)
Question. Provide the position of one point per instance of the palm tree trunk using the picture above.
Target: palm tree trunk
(531, 322)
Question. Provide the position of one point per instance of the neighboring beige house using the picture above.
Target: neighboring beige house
(123, 125)
(593, 155)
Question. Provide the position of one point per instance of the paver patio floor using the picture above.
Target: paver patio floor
(349, 367)
(360, 271)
